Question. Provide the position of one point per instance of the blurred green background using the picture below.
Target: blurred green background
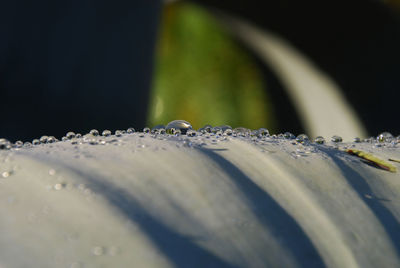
(203, 76)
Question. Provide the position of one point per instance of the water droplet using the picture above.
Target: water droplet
(216, 130)
(263, 132)
(106, 133)
(181, 125)
(205, 129)
(5, 144)
(130, 130)
(19, 144)
(59, 186)
(51, 139)
(384, 137)
(146, 130)
(70, 135)
(98, 251)
(302, 138)
(319, 140)
(94, 132)
(118, 133)
(336, 138)
(157, 129)
(241, 131)
(78, 135)
(357, 139)
(36, 142)
(43, 139)
(228, 132)
(191, 133)
(6, 174)
(27, 144)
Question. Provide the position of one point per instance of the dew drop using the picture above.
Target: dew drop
(191, 133)
(263, 132)
(118, 133)
(228, 132)
(19, 144)
(59, 186)
(70, 135)
(302, 138)
(384, 137)
(319, 140)
(181, 125)
(36, 142)
(106, 133)
(241, 131)
(336, 139)
(5, 144)
(6, 174)
(43, 139)
(94, 132)
(130, 130)
(146, 130)
(157, 129)
(78, 135)
(357, 139)
(289, 136)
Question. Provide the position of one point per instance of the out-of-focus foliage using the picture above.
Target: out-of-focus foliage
(203, 76)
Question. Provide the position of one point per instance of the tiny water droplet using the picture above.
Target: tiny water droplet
(263, 132)
(78, 135)
(319, 140)
(130, 130)
(36, 142)
(146, 130)
(357, 139)
(336, 138)
(19, 144)
(228, 132)
(5, 144)
(94, 132)
(59, 186)
(157, 129)
(70, 135)
(6, 174)
(241, 131)
(118, 133)
(302, 138)
(191, 133)
(106, 133)
(180, 125)
(43, 139)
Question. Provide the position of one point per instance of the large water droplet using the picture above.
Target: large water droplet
(181, 125)
(384, 137)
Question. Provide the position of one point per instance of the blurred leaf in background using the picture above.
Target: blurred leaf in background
(203, 76)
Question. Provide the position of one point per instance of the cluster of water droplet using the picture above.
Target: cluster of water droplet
(182, 130)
